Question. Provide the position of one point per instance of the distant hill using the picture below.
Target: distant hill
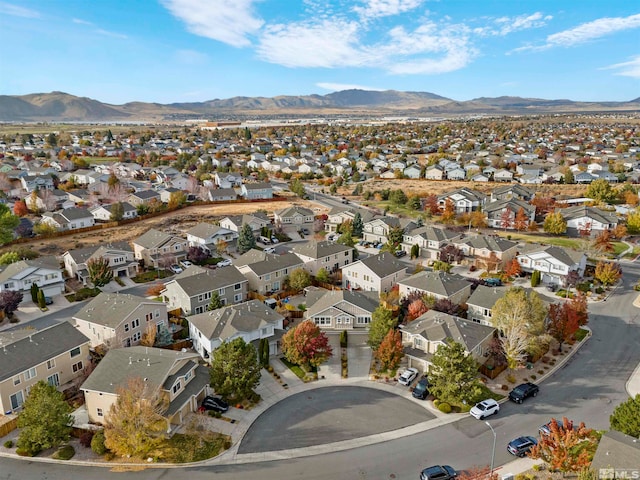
(60, 106)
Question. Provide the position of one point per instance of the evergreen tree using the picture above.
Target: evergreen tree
(117, 212)
(535, 278)
(357, 226)
(34, 292)
(215, 302)
(381, 322)
(41, 301)
(235, 370)
(454, 375)
(626, 417)
(246, 240)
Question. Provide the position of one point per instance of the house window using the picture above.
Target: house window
(76, 367)
(237, 286)
(176, 387)
(8, 285)
(267, 276)
(339, 320)
(237, 297)
(17, 399)
(323, 320)
(136, 337)
(363, 320)
(126, 327)
(16, 380)
(135, 323)
(99, 412)
(157, 313)
(54, 380)
(51, 364)
(199, 309)
(264, 331)
(187, 376)
(75, 352)
(29, 374)
(148, 317)
(418, 342)
(221, 291)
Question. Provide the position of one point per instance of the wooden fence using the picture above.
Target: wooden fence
(8, 425)
(492, 371)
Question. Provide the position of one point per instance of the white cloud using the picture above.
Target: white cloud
(627, 69)
(229, 22)
(508, 25)
(385, 8)
(17, 11)
(107, 33)
(79, 21)
(337, 87)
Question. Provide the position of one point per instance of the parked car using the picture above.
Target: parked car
(546, 428)
(214, 403)
(185, 264)
(224, 263)
(421, 390)
(379, 246)
(485, 408)
(48, 300)
(344, 200)
(274, 239)
(408, 376)
(175, 268)
(438, 472)
(400, 253)
(492, 282)
(552, 287)
(520, 446)
(523, 391)
(269, 250)
(264, 240)
(305, 231)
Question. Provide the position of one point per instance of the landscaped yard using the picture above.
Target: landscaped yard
(151, 275)
(186, 448)
(300, 373)
(575, 243)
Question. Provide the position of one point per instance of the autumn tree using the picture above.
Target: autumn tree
(246, 241)
(149, 336)
(431, 204)
(454, 374)
(135, 425)
(633, 222)
(584, 229)
(566, 448)
(630, 198)
(607, 273)
(601, 191)
(306, 345)
(566, 318)
(45, 419)
(100, 272)
(322, 276)
(177, 199)
(521, 222)
(449, 212)
(390, 352)
(506, 219)
(415, 309)
(382, 321)
(445, 305)
(10, 301)
(450, 254)
(20, 208)
(512, 268)
(197, 255)
(478, 219)
(299, 279)
(235, 370)
(544, 205)
(619, 232)
(626, 417)
(555, 224)
(603, 243)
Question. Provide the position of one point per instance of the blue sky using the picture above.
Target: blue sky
(167, 51)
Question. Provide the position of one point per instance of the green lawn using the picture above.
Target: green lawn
(300, 373)
(186, 448)
(619, 247)
(533, 238)
(150, 275)
(580, 334)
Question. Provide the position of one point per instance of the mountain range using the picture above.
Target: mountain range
(63, 107)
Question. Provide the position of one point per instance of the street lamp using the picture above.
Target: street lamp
(493, 452)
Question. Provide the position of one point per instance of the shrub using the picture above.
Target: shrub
(599, 290)
(511, 378)
(227, 444)
(65, 452)
(533, 377)
(465, 408)
(540, 372)
(85, 438)
(8, 444)
(538, 467)
(24, 452)
(97, 443)
(436, 402)
(343, 339)
(583, 287)
(505, 387)
(444, 407)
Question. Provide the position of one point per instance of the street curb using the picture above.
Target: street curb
(634, 375)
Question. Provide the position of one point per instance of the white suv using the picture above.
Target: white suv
(408, 376)
(485, 408)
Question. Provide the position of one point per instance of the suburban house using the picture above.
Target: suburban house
(119, 255)
(616, 456)
(255, 220)
(502, 213)
(159, 249)
(251, 321)
(297, 216)
(59, 355)
(438, 284)
(227, 180)
(339, 215)
(422, 337)
(221, 194)
(588, 219)
(69, 218)
(144, 197)
(175, 375)
(429, 238)
(43, 271)
(104, 212)
(480, 303)
(119, 319)
(464, 200)
(191, 290)
(267, 272)
(376, 273)
(256, 191)
(434, 172)
(553, 263)
(489, 252)
(31, 183)
(328, 255)
(377, 229)
(503, 175)
(209, 236)
(512, 191)
(341, 309)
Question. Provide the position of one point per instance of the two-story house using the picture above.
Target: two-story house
(503, 213)
(119, 255)
(588, 219)
(256, 191)
(341, 309)
(209, 237)
(377, 229)
(422, 337)
(267, 272)
(430, 240)
(296, 216)
(487, 251)
(59, 355)
(251, 321)
(376, 273)
(465, 200)
(480, 303)
(159, 249)
(255, 220)
(119, 319)
(31, 183)
(553, 263)
(104, 212)
(339, 215)
(328, 255)
(174, 375)
(191, 290)
(515, 190)
(438, 284)
(69, 218)
(43, 271)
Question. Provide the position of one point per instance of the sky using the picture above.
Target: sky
(167, 51)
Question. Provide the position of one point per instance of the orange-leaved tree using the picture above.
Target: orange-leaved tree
(306, 345)
(390, 352)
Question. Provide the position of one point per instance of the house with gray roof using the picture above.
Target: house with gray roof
(339, 215)
(422, 337)
(175, 375)
(144, 197)
(120, 319)
(255, 220)
(515, 190)
(430, 240)
(104, 212)
(43, 271)
(377, 229)
(266, 272)
(438, 284)
(480, 303)
(328, 255)
(119, 256)
(588, 219)
(376, 273)
(489, 252)
(465, 200)
(221, 194)
(341, 309)
(58, 355)
(502, 213)
(294, 215)
(553, 263)
(191, 291)
(159, 249)
(617, 456)
(69, 218)
(209, 237)
(255, 191)
(251, 321)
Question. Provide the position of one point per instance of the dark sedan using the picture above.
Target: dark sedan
(215, 404)
(438, 472)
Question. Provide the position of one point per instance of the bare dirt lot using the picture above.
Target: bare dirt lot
(177, 221)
